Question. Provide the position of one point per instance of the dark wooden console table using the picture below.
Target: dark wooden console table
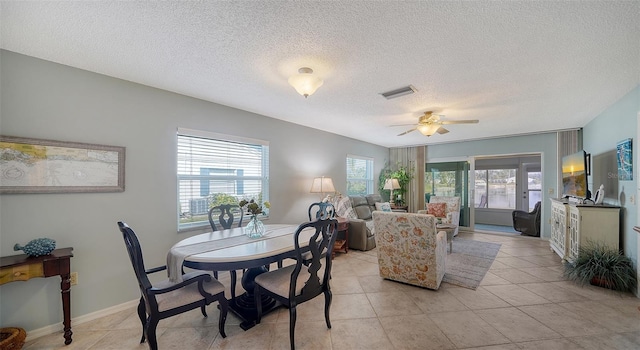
(22, 268)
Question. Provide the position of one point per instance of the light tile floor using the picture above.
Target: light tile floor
(522, 303)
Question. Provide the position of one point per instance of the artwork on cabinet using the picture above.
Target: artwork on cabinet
(45, 166)
(625, 160)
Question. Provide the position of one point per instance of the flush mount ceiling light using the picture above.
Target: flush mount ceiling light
(305, 82)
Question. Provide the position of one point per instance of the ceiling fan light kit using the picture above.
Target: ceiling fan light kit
(305, 82)
(429, 124)
(428, 129)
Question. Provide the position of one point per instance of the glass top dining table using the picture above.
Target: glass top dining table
(230, 250)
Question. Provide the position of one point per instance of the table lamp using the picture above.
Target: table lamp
(322, 185)
(391, 184)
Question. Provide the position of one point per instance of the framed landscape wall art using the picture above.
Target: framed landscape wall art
(624, 153)
(46, 166)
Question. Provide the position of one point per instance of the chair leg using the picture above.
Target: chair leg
(327, 307)
(292, 325)
(204, 310)
(224, 307)
(279, 264)
(215, 274)
(152, 323)
(142, 314)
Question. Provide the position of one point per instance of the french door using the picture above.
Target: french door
(449, 179)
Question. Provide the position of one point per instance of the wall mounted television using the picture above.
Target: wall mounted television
(575, 169)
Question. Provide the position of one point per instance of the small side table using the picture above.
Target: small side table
(449, 229)
(400, 208)
(22, 268)
(341, 245)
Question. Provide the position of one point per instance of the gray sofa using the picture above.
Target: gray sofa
(360, 235)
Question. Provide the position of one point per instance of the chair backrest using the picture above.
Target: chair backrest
(452, 206)
(410, 249)
(325, 210)
(483, 201)
(224, 213)
(536, 209)
(320, 245)
(135, 255)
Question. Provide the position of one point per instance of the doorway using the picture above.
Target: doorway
(503, 184)
(449, 179)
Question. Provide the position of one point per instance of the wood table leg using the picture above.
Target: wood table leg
(65, 287)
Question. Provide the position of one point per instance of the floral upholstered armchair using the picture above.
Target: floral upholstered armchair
(410, 250)
(445, 209)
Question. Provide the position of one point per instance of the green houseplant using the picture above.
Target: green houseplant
(602, 266)
(403, 174)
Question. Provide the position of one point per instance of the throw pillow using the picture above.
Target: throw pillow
(438, 210)
(383, 206)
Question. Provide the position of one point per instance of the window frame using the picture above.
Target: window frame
(369, 176)
(218, 174)
(487, 184)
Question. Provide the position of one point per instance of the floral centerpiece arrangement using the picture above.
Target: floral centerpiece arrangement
(255, 227)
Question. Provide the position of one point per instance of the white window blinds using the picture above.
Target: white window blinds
(217, 169)
(359, 175)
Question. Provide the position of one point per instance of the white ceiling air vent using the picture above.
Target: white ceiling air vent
(399, 92)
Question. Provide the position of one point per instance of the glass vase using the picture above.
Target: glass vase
(255, 228)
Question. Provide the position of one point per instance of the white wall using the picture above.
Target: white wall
(600, 138)
(45, 100)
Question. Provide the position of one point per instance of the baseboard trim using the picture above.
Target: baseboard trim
(54, 328)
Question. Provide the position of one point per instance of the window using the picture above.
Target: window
(496, 188)
(359, 175)
(216, 169)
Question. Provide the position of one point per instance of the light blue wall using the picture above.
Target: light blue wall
(600, 137)
(545, 144)
(45, 100)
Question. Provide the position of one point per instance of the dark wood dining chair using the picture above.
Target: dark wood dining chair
(165, 299)
(323, 210)
(298, 283)
(225, 215)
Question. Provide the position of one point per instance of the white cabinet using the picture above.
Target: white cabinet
(573, 225)
(559, 224)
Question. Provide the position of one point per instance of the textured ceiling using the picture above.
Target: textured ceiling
(518, 67)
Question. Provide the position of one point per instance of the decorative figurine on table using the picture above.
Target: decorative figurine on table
(37, 247)
(599, 195)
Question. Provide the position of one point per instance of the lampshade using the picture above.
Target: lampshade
(391, 184)
(305, 82)
(322, 185)
(428, 129)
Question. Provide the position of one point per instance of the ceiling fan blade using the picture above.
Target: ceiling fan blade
(410, 124)
(442, 130)
(448, 122)
(408, 131)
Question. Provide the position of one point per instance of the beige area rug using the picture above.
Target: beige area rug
(469, 262)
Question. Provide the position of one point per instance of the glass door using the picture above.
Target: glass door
(531, 186)
(449, 179)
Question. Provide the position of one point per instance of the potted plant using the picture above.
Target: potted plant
(403, 175)
(602, 266)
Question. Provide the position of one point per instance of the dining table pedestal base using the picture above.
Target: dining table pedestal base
(244, 305)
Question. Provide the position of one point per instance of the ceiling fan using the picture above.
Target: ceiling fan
(430, 123)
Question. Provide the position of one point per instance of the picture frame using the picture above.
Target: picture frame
(624, 159)
(46, 166)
